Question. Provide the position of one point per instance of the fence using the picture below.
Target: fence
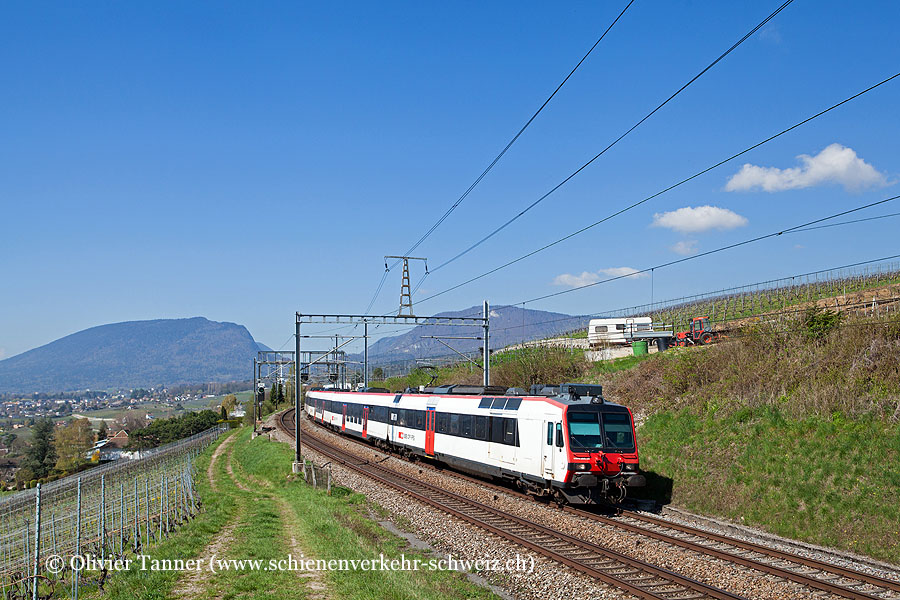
(773, 297)
(316, 476)
(105, 513)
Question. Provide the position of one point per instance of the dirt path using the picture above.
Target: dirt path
(191, 584)
(312, 579)
(211, 469)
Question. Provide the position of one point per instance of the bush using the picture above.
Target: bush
(164, 431)
(856, 372)
(817, 323)
(525, 367)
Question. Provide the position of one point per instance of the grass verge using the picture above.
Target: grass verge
(830, 481)
(340, 527)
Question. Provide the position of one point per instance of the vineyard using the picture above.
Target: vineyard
(106, 513)
(870, 290)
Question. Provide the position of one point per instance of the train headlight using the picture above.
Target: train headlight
(579, 466)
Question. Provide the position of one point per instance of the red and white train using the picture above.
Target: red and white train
(564, 441)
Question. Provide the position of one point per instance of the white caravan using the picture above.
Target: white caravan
(604, 332)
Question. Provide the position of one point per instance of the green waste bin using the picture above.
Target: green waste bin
(638, 348)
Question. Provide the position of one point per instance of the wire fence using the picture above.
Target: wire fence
(48, 534)
(832, 288)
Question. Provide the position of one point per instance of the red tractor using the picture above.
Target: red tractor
(700, 333)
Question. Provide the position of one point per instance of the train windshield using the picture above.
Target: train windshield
(584, 431)
(588, 431)
(618, 433)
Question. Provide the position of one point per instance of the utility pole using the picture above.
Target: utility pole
(297, 417)
(405, 290)
(487, 344)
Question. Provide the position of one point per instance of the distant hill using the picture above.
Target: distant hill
(134, 354)
(509, 325)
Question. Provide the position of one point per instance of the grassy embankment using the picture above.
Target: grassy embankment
(253, 514)
(797, 431)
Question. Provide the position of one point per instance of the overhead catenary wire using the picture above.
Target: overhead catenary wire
(879, 217)
(497, 158)
(618, 139)
(714, 251)
(659, 193)
(662, 304)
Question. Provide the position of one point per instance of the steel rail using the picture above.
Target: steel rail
(807, 579)
(631, 575)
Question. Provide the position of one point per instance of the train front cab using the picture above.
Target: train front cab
(599, 445)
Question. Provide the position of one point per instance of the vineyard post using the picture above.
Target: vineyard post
(160, 507)
(147, 506)
(77, 539)
(101, 521)
(121, 517)
(37, 542)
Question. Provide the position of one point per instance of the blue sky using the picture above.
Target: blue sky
(241, 161)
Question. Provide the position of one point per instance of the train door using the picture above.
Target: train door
(430, 418)
(547, 452)
(365, 421)
(344, 418)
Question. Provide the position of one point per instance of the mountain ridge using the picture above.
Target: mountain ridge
(134, 354)
(508, 325)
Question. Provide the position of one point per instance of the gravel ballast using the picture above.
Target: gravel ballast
(466, 541)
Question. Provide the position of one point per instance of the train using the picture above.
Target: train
(564, 443)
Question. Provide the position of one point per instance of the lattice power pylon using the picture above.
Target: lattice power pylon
(405, 289)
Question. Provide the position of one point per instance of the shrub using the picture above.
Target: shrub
(817, 323)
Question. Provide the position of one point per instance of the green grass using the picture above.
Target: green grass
(326, 527)
(187, 542)
(830, 481)
(619, 364)
(339, 526)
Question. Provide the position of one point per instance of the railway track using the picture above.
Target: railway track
(815, 574)
(641, 579)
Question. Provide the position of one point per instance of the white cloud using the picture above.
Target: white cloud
(622, 272)
(588, 277)
(685, 248)
(576, 280)
(691, 219)
(834, 164)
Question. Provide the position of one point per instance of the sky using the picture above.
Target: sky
(243, 161)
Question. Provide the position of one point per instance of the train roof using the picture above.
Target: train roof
(566, 393)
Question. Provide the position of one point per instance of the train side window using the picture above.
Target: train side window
(485, 403)
(499, 403)
(559, 435)
(454, 424)
(513, 403)
(466, 426)
(549, 434)
(481, 428)
(420, 419)
(443, 423)
(401, 417)
(497, 430)
(509, 432)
